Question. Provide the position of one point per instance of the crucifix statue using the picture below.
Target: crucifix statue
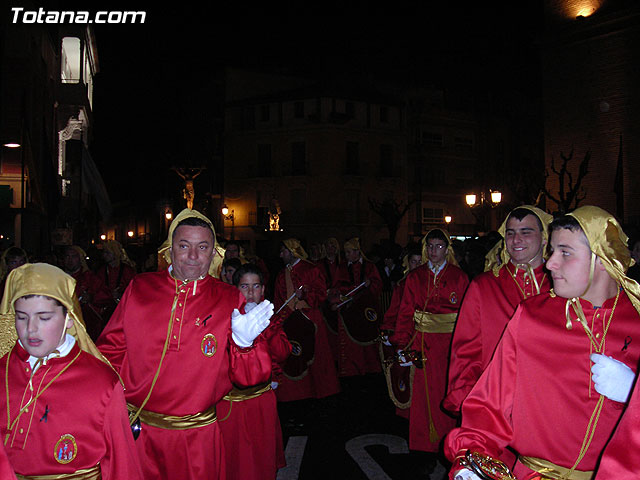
(188, 175)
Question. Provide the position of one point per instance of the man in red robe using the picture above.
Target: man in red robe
(306, 281)
(179, 342)
(426, 317)
(355, 358)
(514, 271)
(538, 395)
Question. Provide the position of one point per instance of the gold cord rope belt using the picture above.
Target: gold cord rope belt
(426, 322)
(173, 422)
(551, 470)
(93, 473)
(240, 394)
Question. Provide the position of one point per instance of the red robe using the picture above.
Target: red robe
(199, 367)
(330, 270)
(95, 300)
(488, 305)
(321, 379)
(354, 359)
(82, 416)
(116, 278)
(536, 394)
(6, 470)
(622, 456)
(251, 428)
(439, 294)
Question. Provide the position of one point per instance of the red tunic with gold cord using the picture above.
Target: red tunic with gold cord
(76, 421)
(537, 395)
(436, 294)
(488, 305)
(200, 361)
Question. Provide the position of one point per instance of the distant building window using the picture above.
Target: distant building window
(353, 159)
(298, 158)
(249, 118)
(71, 57)
(432, 215)
(264, 113)
(463, 143)
(350, 109)
(386, 161)
(298, 205)
(298, 109)
(264, 160)
(432, 139)
(384, 114)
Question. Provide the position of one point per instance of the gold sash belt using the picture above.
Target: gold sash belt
(551, 470)
(240, 394)
(172, 422)
(93, 473)
(426, 322)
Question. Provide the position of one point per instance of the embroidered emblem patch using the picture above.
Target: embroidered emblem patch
(66, 449)
(209, 345)
(370, 314)
(296, 348)
(453, 298)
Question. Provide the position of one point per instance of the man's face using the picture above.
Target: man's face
(436, 250)
(251, 287)
(191, 252)
(228, 274)
(351, 255)
(232, 251)
(569, 263)
(286, 255)
(71, 260)
(39, 323)
(523, 240)
(331, 250)
(414, 261)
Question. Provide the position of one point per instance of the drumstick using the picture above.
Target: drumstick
(288, 300)
(355, 289)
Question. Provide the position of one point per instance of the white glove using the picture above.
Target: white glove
(612, 378)
(274, 385)
(385, 340)
(403, 360)
(465, 474)
(245, 328)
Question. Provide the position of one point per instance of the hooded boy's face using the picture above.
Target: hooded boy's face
(40, 323)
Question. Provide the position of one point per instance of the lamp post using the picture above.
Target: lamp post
(486, 201)
(229, 216)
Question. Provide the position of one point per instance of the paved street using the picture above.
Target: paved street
(354, 435)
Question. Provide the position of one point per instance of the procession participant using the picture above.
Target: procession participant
(12, 257)
(234, 249)
(356, 357)
(248, 416)
(515, 271)
(426, 318)
(305, 280)
(95, 298)
(229, 267)
(538, 394)
(331, 261)
(329, 264)
(118, 269)
(179, 342)
(54, 428)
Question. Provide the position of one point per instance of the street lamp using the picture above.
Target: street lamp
(448, 219)
(494, 198)
(229, 216)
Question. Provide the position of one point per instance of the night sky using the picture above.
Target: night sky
(153, 94)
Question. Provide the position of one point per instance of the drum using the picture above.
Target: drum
(399, 379)
(301, 332)
(361, 318)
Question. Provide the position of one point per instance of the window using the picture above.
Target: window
(353, 158)
(463, 143)
(70, 60)
(298, 109)
(386, 161)
(384, 114)
(433, 139)
(350, 109)
(298, 205)
(432, 215)
(249, 118)
(298, 158)
(264, 113)
(264, 161)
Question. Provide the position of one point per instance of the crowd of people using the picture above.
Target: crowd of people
(511, 355)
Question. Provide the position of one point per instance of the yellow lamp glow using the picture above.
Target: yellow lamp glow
(471, 199)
